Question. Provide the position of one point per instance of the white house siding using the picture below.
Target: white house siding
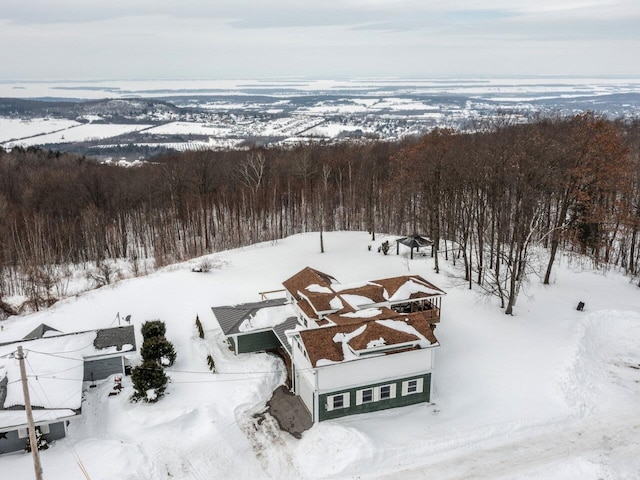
(305, 389)
(366, 371)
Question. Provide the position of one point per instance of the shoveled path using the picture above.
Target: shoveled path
(289, 411)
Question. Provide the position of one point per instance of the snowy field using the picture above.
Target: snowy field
(80, 133)
(14, 128)
(189, 128)
(549, 393)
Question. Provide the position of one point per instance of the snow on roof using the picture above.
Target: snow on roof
(55, 370)
(305, 277)
(267, 317)
(411, 287)
(340, 343)
(314, 287)
(366, 313)
(230, 318)
(336, 303)
(405, 327)
(13, 419)
(345, 338)
(339, 287)
(319, 291)
(357, 300)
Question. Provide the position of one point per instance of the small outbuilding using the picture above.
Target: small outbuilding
(57, 366)
(413, 241)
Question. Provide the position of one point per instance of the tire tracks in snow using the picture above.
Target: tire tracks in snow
(594, 438)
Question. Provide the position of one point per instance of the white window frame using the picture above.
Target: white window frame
(419, 383)
(330, 401)
(360, 394)
(392, 391)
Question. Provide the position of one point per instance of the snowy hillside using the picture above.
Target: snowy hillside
(548, 393)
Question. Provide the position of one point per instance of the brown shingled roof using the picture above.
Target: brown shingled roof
(392, 285)
(320, 344)
(371, 291)
(305, 277)
(340, 318)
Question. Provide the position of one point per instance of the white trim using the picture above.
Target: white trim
(419, 386)
(392, 391)
(360, 393)
(345, 401)
(384, 348)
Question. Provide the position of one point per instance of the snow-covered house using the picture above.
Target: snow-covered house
(354, 348)
(57, 365)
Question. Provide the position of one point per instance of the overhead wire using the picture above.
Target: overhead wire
(66, 442)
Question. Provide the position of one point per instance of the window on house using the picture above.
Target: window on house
(385, 392)
(335, 402)
(367, 395)
(410, 387)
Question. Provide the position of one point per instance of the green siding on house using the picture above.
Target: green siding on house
(257, 342)
(398, 401)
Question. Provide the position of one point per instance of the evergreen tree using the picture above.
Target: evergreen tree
(158, 349)
(149, 381)
(153, 328)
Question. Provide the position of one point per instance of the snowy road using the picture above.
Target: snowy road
(588, 444)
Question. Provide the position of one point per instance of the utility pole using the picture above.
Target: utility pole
(27, 406)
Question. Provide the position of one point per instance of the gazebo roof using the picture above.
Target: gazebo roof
(415, 241)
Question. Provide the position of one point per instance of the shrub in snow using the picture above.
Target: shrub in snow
(203, 267)
(212, 366)
(385, 247)
(199, 327)
(158, 349)
(153, 328)
(149, 382)
(104, 274)
(41, 442)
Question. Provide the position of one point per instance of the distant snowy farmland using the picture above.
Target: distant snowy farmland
(190, 128)
(14, 128)
(80, 133)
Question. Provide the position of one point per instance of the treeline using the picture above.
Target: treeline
(486, 197)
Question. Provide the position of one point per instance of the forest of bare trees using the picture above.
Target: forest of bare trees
(489, 199)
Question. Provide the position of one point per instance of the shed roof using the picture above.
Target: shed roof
(41, 331)
(415, 241)
(231, 318)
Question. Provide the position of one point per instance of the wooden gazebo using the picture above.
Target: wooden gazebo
(413, 241)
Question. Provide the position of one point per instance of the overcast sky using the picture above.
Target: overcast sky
(220, 39)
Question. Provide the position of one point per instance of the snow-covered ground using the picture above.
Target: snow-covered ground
(484, 87)
(15, 128)
(548, 393)
(80, 133)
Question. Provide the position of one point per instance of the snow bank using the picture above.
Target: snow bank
(605, 372)
(332, 450)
